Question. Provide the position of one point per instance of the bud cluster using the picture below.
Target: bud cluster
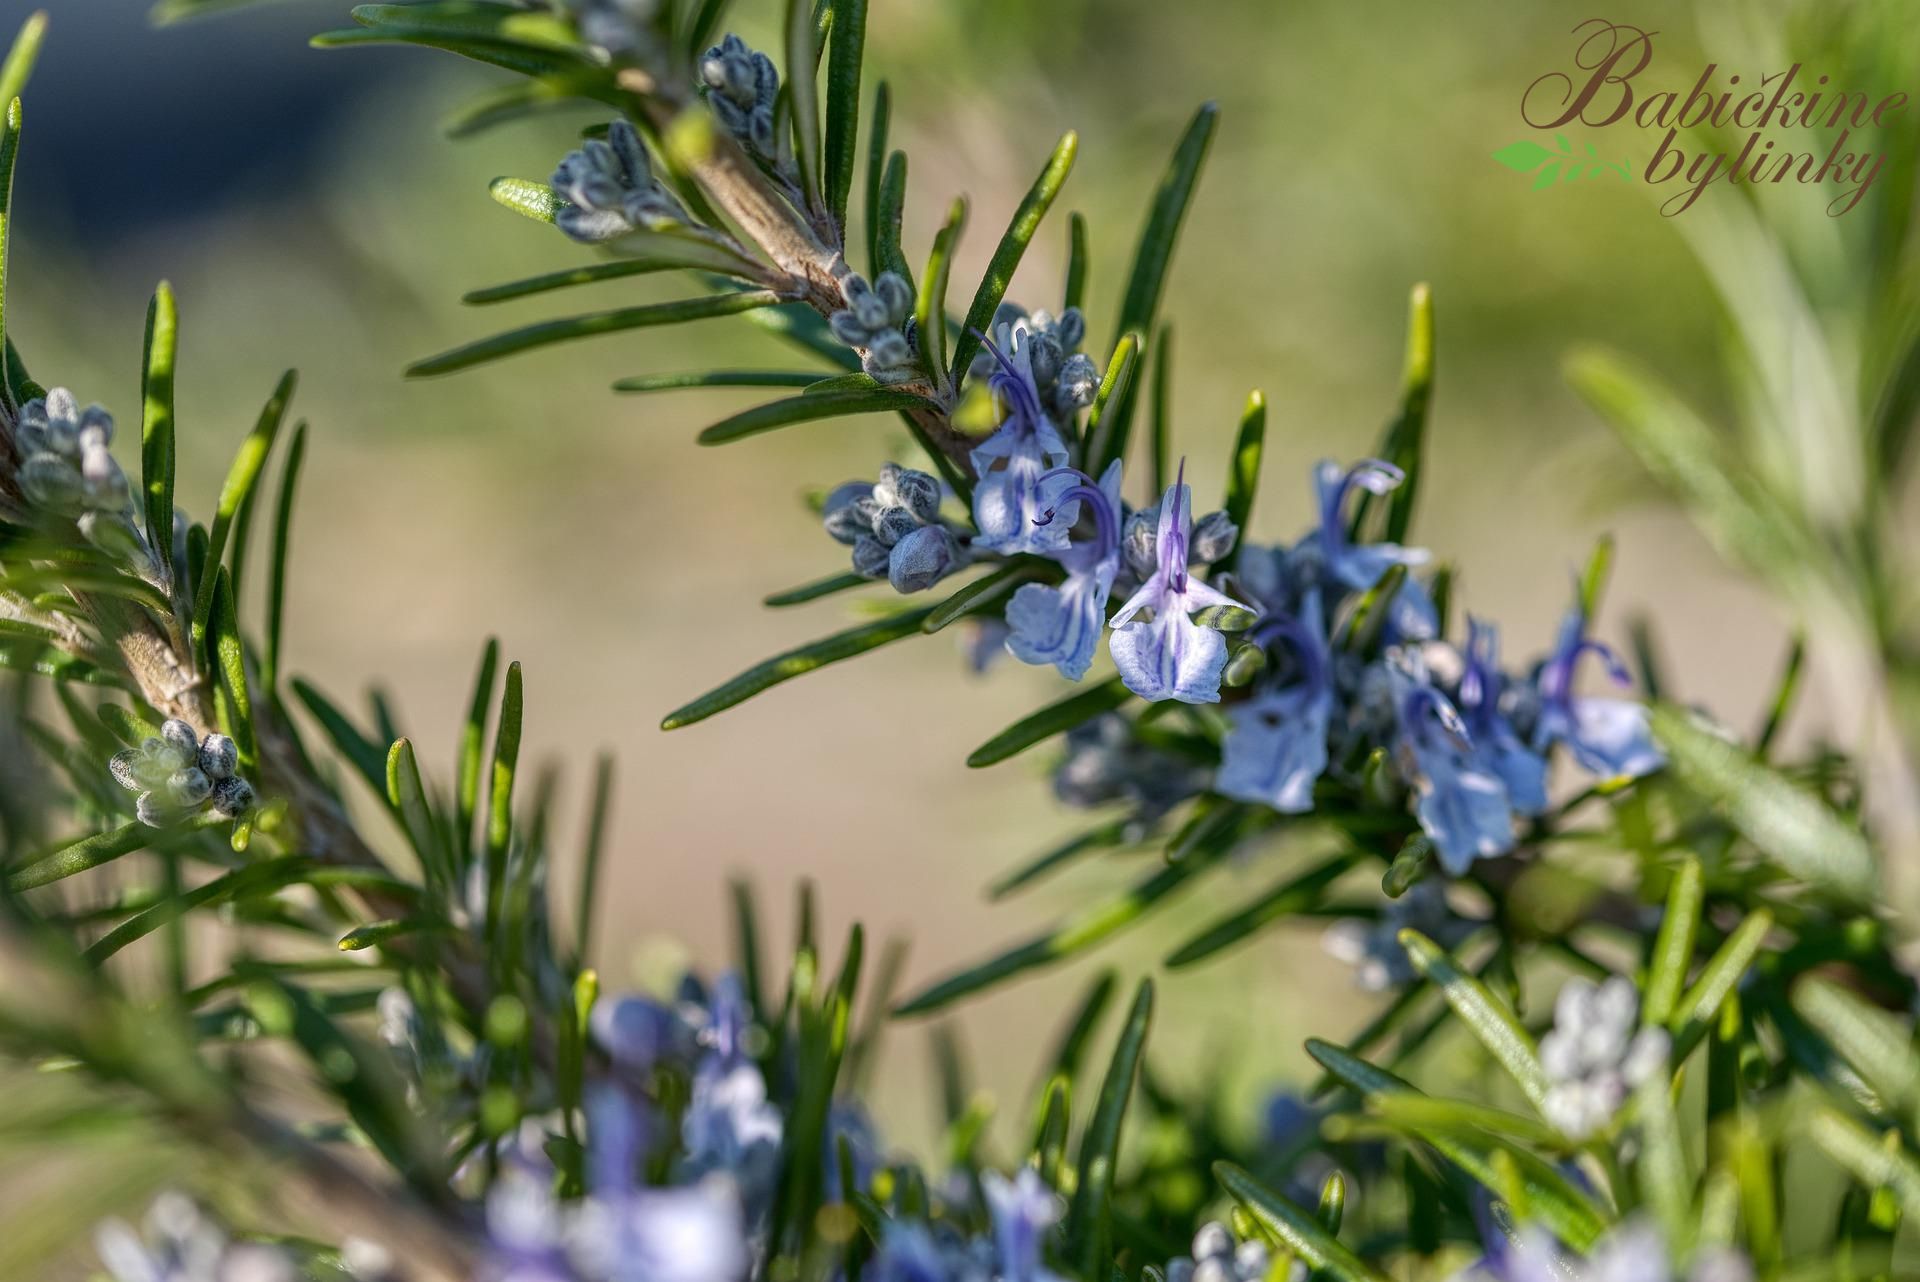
(179, 772)
(893, 526)
(878, 319)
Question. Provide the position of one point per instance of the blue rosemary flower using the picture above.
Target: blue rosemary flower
(1372, 947)
(620, 27)
(1019, 465)
(180, 1244)
(1062, 625)
(1354, 567)
(1023, 1209)
(1168, 655)
(1106, 761)
(610, 189)
(1277, 748)
(1608, 737)
(730, 1126)
(1462, 806)
(1497, 746)
(1216, 1257)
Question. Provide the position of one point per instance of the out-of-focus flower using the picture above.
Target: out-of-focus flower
(610, 189)
(177, 1243)
(1278, 746)
(1461, 805)
(1373, 948)
(1608, 737)
(1594, 1056)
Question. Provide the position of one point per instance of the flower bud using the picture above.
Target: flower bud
(1213, 537)
(218, 757)
(896, 295)
(848, 511)
(922, 559)
(233, 797)
(870, 557)
(1079, 381)
(904, 487)
(889, 350)
(180, 736)
(1139, 541)
(891, 524)
(188, 787)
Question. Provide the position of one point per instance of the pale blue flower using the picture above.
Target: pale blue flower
(1169, 656)
(1609, 737)
(1023, 1209)
(1014, 489)
(1497, 746)
(908, 1253)
(1278, 746)
(1061, 625)
(1462, 806)
(1355, 567)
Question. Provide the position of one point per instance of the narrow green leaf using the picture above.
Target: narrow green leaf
(983, 592)
(232, 705)
(592, 274)
(1673, 946)
(876, 166)
(156, 426)
(844, 57)
(407, 794)
(22, 55)
(746, 934)
(57, 665)
(88, 852)
(277, 580)
(1078, 261)
(1700, 1004)
(802, 327)
(375, 933)
(1873, 1162)
(716, 378)
(1160, 420)
(506, 762)
(242, 474)
(9, 155)
(360, 752)
(1089, 1226)
(1153, 253)
(1297, 1229)
(1291, 897)
(1783, 696)
(888, 256)
(803, 95)
(1106, 431)
(1078, 933)
(1070, 1050)
(521, 101)
(930, 308)
(706, 22)
(527, 58)
(1559, 1205)
(818, 588)
(547, 333)
(1664, 1182)
(1792, 827)
(1243, 471)
(1876, 1042)
(1482, 1013)
(1105, 837)
(1593, 580)
(797, 662)
(1404, 443)
(1006, 258)
(807, 408)
(590, 859)
(473, 734)
(248, 879)
(1422, 1115)
(1333, 1202)
(1055, 718)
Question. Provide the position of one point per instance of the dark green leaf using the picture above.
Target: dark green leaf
(876, 166)
(9, 154)
(808, 408)
(1051, 720)
(473, 735)
(1292, 896)
(360, 752)
(930, 309)
(797, 662)
(888, 256)
(982, 592)
(596, 845)
(232, 705)
(592, 274)
(1089, 1226)
(1789, 825)
(818, 588)
(1482, 1013)
(1006, 258)
(506, 763)
(1404, 443)
(1078, 261)
(803, 95)
(560, 331)
(91, 852)
(277, 581)
(1700, 1004)
(1295, 1228)
(717, 378)
(1106, 428)
(242, 475)
(844, 57)
(1105, 837)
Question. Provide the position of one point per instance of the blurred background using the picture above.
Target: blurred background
(309, 212)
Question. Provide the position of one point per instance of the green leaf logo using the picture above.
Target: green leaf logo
(1558, 164)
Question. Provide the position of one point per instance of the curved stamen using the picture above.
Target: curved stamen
(1106, 522)
(1481, 679)
(1308, 649)
(1014, 384)
(1372, 475)
(1173, 553)
(1556, 682)
(1423, 706)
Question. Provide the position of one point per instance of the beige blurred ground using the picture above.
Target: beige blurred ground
(623, 565)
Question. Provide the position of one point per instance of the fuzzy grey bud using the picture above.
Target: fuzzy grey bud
(219, 756)
(891, 524)
(916, 491)
(1139, 541)
(233, 797)
(151, 811)
(1046, 357)
(889, 350)
(189, 787)
(1213, 537)
(848, 511)
(180, 736)
(1079, 381)
(1070, 329)
(895, 295)
(870, 557)
(922, 559)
